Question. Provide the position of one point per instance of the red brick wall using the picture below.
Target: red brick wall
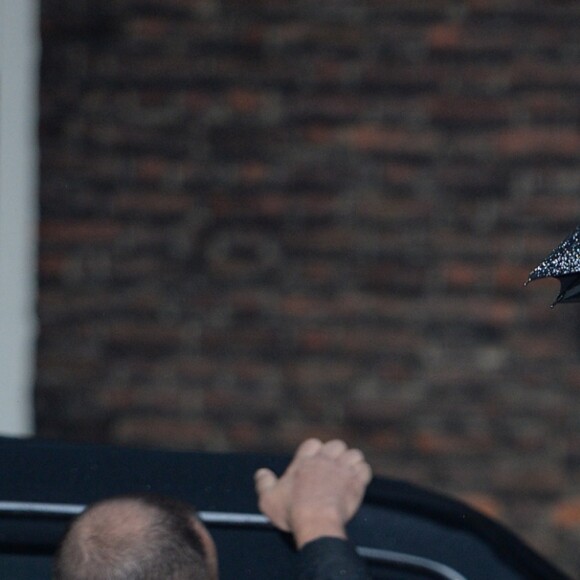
(267, 220)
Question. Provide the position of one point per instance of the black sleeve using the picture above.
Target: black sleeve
(330, 559)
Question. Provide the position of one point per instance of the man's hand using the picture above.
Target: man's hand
(319, 492)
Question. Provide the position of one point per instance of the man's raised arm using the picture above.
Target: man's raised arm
(320, 491)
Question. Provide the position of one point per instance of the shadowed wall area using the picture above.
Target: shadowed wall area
(263, 220)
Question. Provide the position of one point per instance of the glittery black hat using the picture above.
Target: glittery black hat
(563, 263)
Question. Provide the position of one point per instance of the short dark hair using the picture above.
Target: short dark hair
(133, 537)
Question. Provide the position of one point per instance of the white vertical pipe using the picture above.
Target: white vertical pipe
(19, 56)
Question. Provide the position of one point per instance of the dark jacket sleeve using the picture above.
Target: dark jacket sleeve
(331, 559)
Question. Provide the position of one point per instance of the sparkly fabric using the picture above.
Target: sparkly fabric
(563, 263)
(565, 259)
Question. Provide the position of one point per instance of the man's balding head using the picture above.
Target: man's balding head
(137, 538)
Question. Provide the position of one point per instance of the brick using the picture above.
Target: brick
(372, 138)
(150, 431)
(432, 443)
(62, 232)
(566, 513)
(564, 142)
(263, 221)
(530, 479)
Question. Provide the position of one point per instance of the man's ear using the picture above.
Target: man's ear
(209, 547)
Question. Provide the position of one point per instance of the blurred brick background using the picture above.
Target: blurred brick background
(262, 220)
